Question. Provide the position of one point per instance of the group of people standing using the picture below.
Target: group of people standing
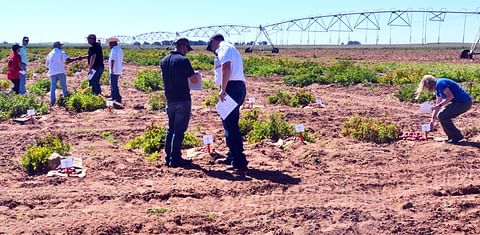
(177, 72)
(56, 61)
(17, 66)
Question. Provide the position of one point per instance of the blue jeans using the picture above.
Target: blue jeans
(95, 81)
(237, 90)
(178, 118)
(23, 80)
(114, 88)
(53, 86)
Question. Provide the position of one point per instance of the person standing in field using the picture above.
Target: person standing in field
(233, 83)
(176, 72)
(14, 67)
(95, 63)
(452, 100)
(116, 66)
(23, 73)
(55, 63)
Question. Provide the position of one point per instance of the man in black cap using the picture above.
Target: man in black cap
(176, 71)
(95, 63)
(232, 82)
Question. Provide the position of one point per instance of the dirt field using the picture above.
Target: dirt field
(333, 186)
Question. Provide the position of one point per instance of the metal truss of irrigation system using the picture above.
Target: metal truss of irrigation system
(341, 22)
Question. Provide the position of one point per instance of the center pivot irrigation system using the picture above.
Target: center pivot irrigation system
(425, 25)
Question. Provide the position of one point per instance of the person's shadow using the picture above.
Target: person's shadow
(469, 144)
(274, 176)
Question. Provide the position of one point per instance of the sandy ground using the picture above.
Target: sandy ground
(333, 186)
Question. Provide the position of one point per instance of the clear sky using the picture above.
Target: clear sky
(71, 20)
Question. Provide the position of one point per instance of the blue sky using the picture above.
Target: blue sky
(71, 21)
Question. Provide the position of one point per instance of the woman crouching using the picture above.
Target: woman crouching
(451, 95)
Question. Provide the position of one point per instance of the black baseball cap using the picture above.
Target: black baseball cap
(217, 37)
(183, 41)
(57, 44)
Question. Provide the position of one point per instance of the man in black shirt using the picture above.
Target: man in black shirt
(176, 71)
(95, 63)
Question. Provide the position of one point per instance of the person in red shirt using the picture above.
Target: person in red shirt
(14, 67)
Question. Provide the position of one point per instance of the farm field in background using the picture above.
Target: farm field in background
(337, 183)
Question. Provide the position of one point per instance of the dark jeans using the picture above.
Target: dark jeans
(114, 88)
(446, 115)
(23, 80)
(178, 118)
(16, 86)
(95, 81)
(238, 91)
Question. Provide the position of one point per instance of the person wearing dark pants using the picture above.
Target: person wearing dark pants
(116, 66)
(114, 88)
(178, 118)
(232, 82)
(16, 86)
(14, 67)
(236, 90)
(95, 63)
(446, 115)
(452, 100)
(95, 81)
(176, 73)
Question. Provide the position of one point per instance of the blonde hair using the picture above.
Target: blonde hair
(426, 82)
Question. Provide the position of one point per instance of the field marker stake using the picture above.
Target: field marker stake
(425, 129)
(300, 128)
(208, 140)
(30, 113)
(109, 106)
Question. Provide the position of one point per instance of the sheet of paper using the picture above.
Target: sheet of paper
(224, 108)
(207, 139)
(299, 128)
(66, 163)
(30, 112)
(197, 86)
(426, 127)
(425, 108)
(90, 76)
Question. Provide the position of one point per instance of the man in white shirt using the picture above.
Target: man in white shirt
(116, 66)
(55, 63)
(232, 83)
(23, 72)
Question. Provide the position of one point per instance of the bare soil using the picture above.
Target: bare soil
(336, 185)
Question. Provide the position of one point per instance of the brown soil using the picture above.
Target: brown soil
(333, 186)
(369, 55)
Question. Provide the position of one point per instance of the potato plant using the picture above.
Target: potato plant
(370, 129)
